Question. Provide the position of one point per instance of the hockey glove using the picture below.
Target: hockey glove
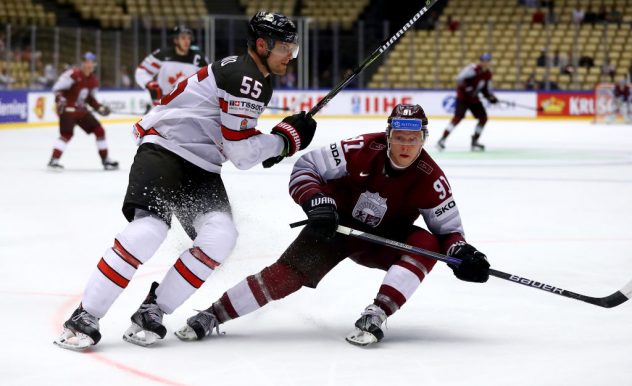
(155, 92)
(296, 131)
(322, 216)
(492, 99)
(60, 104)
(474, 266)
(104, 110)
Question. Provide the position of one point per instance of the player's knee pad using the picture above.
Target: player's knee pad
(482, 121)
(143, 236)
(216, 235)
(66, 136)
(99, 132)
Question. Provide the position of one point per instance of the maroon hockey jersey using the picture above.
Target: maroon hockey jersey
(471, 81)
(371, 196)
(77, 88)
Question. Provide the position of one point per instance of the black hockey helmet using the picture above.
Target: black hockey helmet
(181, 29)
(271, 25)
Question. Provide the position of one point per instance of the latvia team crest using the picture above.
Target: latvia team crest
(370, 209)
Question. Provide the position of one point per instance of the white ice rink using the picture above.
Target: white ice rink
(551, 201)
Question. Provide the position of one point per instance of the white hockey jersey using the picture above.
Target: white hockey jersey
(168, 68)
(212, 116)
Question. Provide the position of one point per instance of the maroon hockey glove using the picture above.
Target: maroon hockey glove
(60, 104)
(322, 216)
(474, 266)
(297, 132)
(155, 92)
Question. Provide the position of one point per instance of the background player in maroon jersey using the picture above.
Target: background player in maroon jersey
(73, 90)
(621, 101)
(379, 183)
(473, 79)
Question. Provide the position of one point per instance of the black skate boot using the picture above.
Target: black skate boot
(199, 326)
(476, 146)
(54, 165)
(109, 164)
(148, 320)
(368, 328)
(80, 331)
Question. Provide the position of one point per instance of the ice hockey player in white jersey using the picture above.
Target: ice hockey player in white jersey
(162, 70)
(209, 118)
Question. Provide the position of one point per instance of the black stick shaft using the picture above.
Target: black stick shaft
(376, 54)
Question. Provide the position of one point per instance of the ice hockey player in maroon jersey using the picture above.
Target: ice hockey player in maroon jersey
(621, 101)
(162, 70)
(74, 90)
(209, 118)
(378, 183)
(474, 79)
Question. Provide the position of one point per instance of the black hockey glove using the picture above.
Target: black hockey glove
(492, 99)
(474, 266)
(297, 132)
(322, 216)
(104, 110)
(155, 92)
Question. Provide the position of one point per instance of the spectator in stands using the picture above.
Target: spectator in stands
(614, 16)
(577, 14)
(531, 83)
(590, 17)
(543, 60)
(453, 24)
(571, 65)
(5, 79)
(602, 14)
(538, 16)
(586, 61)
(607, 69)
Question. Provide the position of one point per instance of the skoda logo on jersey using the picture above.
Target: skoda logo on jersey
(449, 104)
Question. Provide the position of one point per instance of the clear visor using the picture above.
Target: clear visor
(284, 49)
(407, 132)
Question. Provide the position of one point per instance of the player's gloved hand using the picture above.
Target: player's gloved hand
(297, 132)
(104, 110)
(155, 92)
(322, 216)
(474, 265)
(60, 104)
(492, 99)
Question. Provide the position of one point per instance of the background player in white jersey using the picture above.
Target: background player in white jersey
(207, 119)
(162, 70)
(378, 183)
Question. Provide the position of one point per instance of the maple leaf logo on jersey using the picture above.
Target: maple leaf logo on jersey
(370, 209)
(173, 79)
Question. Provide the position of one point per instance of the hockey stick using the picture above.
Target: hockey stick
(514, 104)
(609, 301)
(356, 71)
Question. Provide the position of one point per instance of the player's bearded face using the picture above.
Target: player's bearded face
(280, 56)
(404, 146)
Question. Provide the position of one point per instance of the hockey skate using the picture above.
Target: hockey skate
(109, 164)
(54, 165)
(80, 331)
(147, 325)
(198, 326)
(477, 146)
(368, 327)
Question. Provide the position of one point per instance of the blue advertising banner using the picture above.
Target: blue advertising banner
(13, 106)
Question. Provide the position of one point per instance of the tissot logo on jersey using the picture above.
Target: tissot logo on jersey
(245, 107)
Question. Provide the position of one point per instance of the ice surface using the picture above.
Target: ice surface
(551, 201)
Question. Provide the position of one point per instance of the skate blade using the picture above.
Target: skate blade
(186, 333)
(136, 335)
(110, 168)
(361, 338)
(71, 341)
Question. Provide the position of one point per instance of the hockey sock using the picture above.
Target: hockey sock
(133, 246)
(216, 237)
(400, 282)
(60, 144)
(102, 144)
(272, 283)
